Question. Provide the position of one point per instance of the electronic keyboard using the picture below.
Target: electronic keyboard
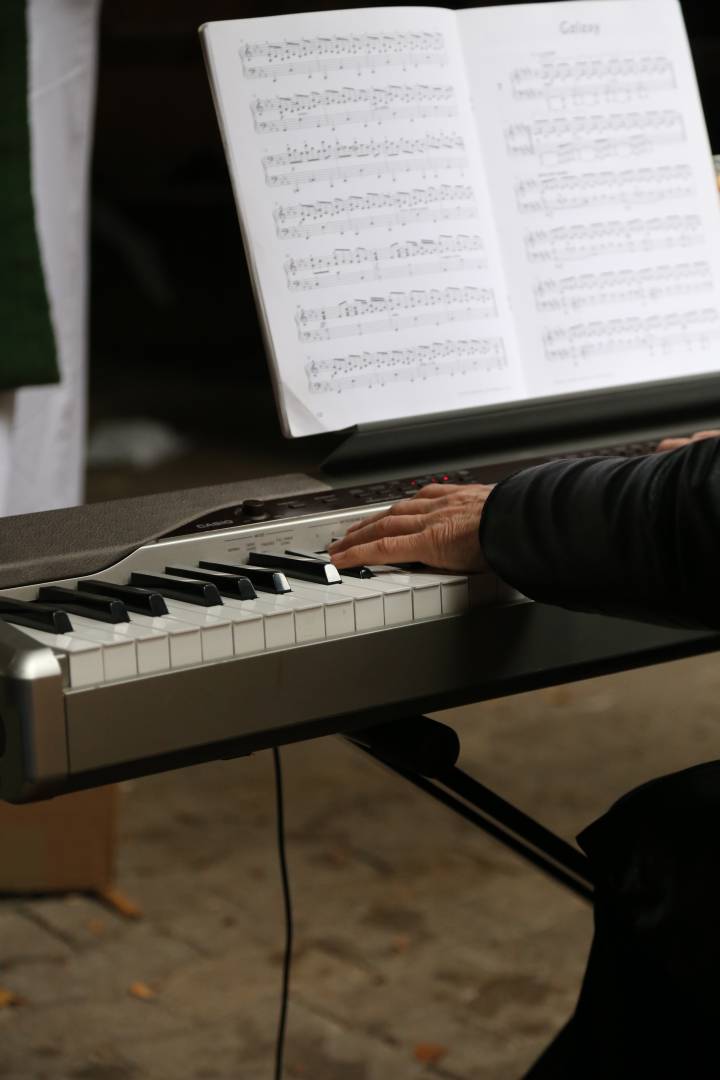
(149, 633)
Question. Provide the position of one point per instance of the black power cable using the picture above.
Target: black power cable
(282, 1022)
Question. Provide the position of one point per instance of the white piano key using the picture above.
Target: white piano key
(247, 627)
(249, 636)
(152, 647)
(82, 661)
(216, 635)
(279, 624)
(308, 615)
(215, 629)
(118, 652)
(309, 618)
(455, 597)
(369, 606)
(426, 595)
(338, 607)
(454, 589)
(183, 638)
(397, 599)
(427, 601)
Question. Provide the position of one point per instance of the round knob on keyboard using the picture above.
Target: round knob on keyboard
(255, 509)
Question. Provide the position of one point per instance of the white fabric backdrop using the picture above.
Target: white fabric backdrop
(42, 429)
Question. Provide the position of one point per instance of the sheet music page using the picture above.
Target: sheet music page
(601, 175)
(365, 213)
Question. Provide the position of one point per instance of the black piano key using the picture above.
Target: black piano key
(37, 616)
(201, 593)
(227, 584)
(321, 555)
(143, 601)
(102, 608)
(317, 570)
(357, 571)
(272, 581)
(353, 571)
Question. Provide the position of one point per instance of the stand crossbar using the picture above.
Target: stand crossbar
(424, 751)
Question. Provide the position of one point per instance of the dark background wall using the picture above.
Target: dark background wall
(174, 331)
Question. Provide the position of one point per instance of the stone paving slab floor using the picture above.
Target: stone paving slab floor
(423, 949)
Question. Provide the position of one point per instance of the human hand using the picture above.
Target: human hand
(438, 526)
(673, 443)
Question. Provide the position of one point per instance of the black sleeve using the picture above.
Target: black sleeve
(635, 537)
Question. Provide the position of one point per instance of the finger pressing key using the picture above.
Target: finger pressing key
(384, 549)
(406, 507)
(373, 530)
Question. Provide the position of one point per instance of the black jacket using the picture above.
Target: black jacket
(639, 538)
(636, 537)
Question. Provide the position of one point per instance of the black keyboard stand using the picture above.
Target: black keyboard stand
(424, 752)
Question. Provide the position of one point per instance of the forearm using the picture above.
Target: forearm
(637, 537)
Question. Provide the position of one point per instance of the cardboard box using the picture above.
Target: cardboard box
(63, 844)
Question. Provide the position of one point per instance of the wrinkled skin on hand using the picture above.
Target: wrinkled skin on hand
(438, 526)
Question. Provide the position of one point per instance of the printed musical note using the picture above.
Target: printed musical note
(440, 359)
(569, 242)
(410, 258)
(356, 52)
(376, 157)
(579, 138)
(653, 334)
(628, 187)
(647, 284)
(446, 202)
(425, 307)
(592, 80)
(352, 105)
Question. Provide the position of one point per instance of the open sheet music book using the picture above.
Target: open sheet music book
(444, 210)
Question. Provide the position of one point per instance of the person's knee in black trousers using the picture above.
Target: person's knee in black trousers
(650, 1000)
